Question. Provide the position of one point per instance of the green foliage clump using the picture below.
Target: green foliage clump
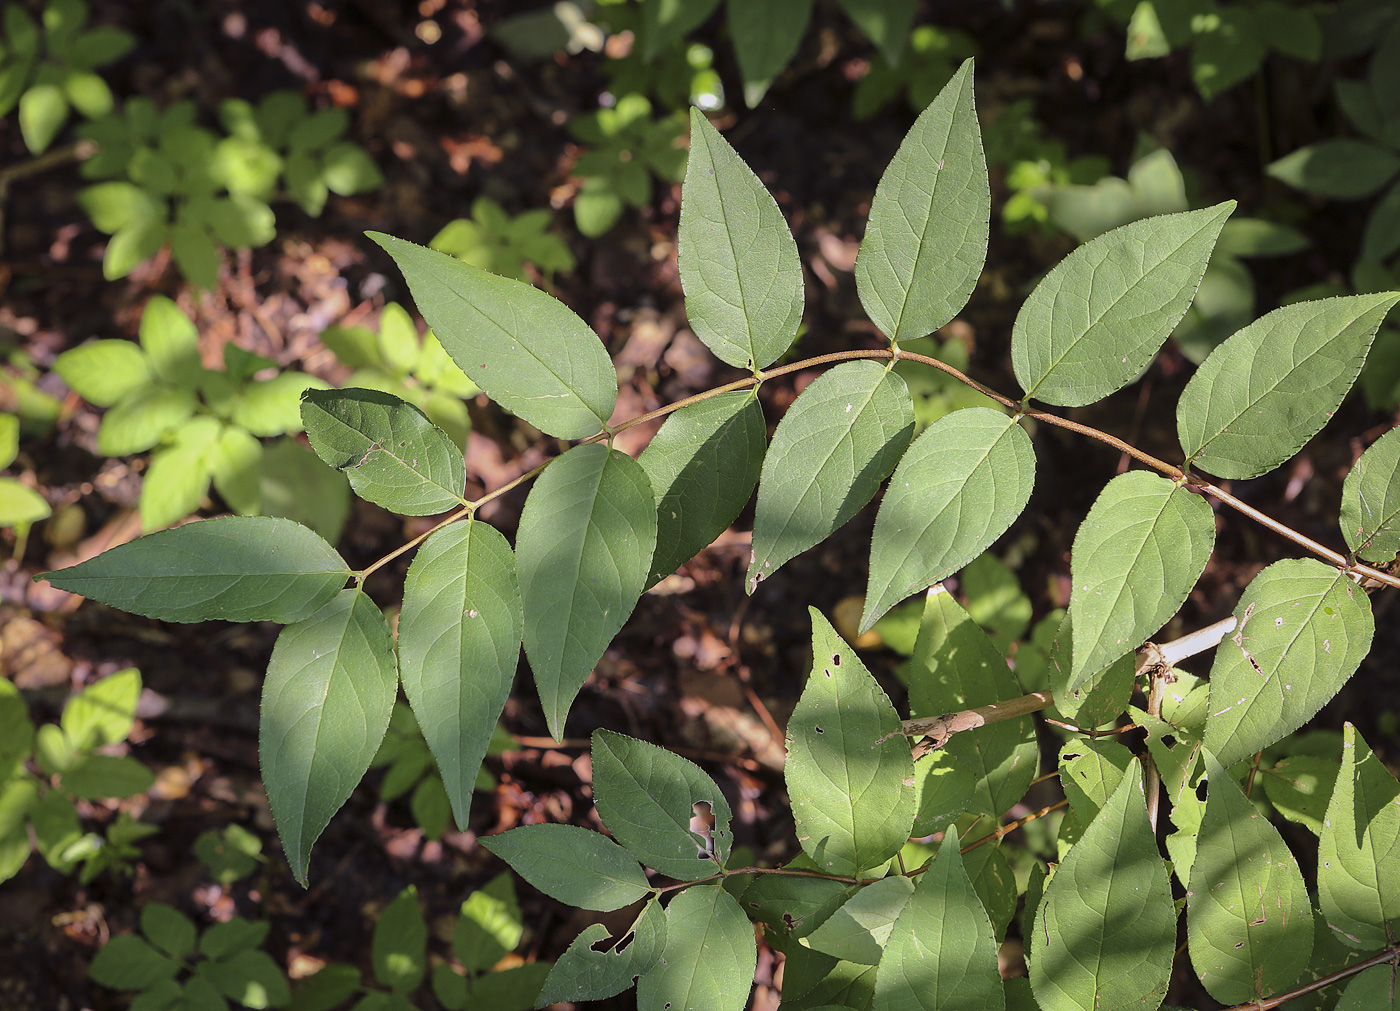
(627, 146)
(396, 360)
(494, 240)
(48, 68)
(171, 181)
(859, 925)
(71, 767)
(203, 426)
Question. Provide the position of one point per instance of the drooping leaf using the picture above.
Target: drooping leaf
(942, 952)
(709, 958)
(885, 22)
(958, 488)
(955, 667)
(1358, 888)
(857, 931)
(237, 568)
(840, 438)
(649, 797)
(703, 465)
(926, 240)
(1370, 517)
(1249, 918)
(1102, 942)
(1271, 387)
(584, 548)
(738, 260)
(528, 351)
(1304, 628)
(459, 643)
(585, 973)
(394, 456)
(330, 686)
(1095, 321)
(571, 864)
(848, 769)
(399, 945)
(766, 34)
(1136, 556)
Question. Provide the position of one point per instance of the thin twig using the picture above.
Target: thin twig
(1002, 831)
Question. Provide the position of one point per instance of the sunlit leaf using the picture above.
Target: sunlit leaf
(709, 958)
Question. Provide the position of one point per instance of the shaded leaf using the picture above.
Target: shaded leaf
(399, 947)
(326, 701)
(858, 930)
(1370, 517)
(958, 488)
(459, 644)
(738, 260)
(648, 797)
(583, 551)
(794, 904)
(709, 958)
(1299, 788)
(848, 770)
(527, 350)
(571, 864)
(942, 953)
(585, 973)
(703, 465)
(489, 925)
(239, 568)
(1304, 628)
(926, 240)
(394, 456)
(1342, 168)
(1103, 941)
(1136, 556)
(840, 438)
(766, 34)
(1271, 387)
(1249, 918)
(1094, 322)
(1358, 888)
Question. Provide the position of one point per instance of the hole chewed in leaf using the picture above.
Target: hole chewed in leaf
(702, 824)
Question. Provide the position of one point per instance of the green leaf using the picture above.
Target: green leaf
(859, 930)
(142, 419)
(885, 22)
(171, 342)
(528, 351)
(956, 667)
(294, 483)
(956, 491)
(1299, 788)
(273, 406)
(1357, 888)
(394, 456)
(178, 479)
(585, 973)
(766, 34)
(489, 925)
(995, 884)
(104, 372)
(1372, 990)
(459, 643)
(168, 929)
(1342, 168)
(840, 438)
(1090, 771)
(649, 798)
(926, 240)
(1136, 556)
(792, 904)
(1304, 628)
(1370, 517)
(330, 686)
(1273, 385)
(738, 260)
(709, 959)
(251, 978)
(942, 953)
(43, 110)
(584, 549)
(326, 989)
(1249, 919)
(129, 963)
(241, 568)
(665, 21)
(102, 713)
(235, 461)
(1102, 943)
(400, 944)
(1095, 321)
(848, 769)
(571, 864)
(16, 740)
(94, 777)
(703, 465)
(21, 505)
